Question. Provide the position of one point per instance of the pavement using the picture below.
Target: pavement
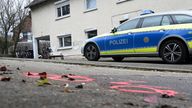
(142, 63)
(104, 87)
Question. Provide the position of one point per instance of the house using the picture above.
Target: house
(68, 23)
(26, 35)
(24, 47)
(22, 38)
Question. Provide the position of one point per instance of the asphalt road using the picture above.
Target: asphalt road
(104, 87)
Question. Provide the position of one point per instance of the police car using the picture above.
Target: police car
(166, 35)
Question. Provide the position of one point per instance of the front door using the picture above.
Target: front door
(118, 44)
(121, 42)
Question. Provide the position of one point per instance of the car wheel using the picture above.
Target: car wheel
(118, 59)
(174, 51)
(92, 52)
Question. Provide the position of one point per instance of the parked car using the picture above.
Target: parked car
(166, 35)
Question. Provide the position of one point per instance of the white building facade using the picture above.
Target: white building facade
(68, 23)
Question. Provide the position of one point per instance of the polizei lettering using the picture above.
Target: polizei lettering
(118, 42)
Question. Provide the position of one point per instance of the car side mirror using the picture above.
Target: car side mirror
(114, 30)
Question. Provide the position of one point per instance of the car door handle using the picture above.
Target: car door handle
(130, 33)
(161, 30)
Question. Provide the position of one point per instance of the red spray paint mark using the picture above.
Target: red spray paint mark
(59, 77)
(136, 87)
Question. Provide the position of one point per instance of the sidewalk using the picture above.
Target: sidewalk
(146, 64)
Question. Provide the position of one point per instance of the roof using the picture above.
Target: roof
(35, 2)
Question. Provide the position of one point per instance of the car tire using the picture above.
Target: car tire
(173, 51)
(91, 52)
(118, 59)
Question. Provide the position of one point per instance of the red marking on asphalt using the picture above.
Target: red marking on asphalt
(59, 77)
(135, 87)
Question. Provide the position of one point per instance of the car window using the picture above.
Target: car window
(132, 24)
(165, 21)
(152, 21)
(182, 19)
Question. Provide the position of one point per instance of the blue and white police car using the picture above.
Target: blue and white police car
(166, 35)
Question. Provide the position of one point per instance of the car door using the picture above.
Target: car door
(121, 42)
(151, 31)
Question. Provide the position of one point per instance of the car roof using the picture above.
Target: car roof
(187, 12)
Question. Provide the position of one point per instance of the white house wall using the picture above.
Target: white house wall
(44, 19)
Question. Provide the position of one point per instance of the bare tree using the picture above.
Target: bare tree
(12, 14)
(7, 16)
(19, 24)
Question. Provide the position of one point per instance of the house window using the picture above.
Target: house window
(63, 8)
(25, 36)
(58, 12)
(65, 41)
(90, 4)
(91, 33)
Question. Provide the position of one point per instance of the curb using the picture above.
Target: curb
(104, 65)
